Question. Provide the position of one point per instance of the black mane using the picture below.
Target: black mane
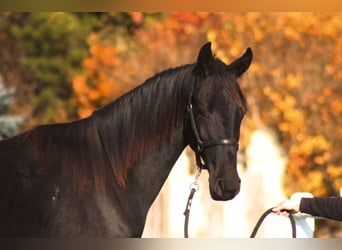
(117, 135)
(143, 119)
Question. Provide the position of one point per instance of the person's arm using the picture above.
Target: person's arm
(327, 207)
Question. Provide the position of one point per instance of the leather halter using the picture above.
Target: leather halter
(202, 145)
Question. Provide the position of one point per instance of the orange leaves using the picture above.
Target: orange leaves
(95, 86)
(294, 81)
(309, 145)
(334, 171)
(291, 33)
(137, 17)
(315, 181)
(101, 54)
(336, 107)
(285, 109)
(190, 17)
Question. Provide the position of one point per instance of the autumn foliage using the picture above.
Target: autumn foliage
(97, 84)
(292, 87)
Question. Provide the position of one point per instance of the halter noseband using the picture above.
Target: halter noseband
(202, 145)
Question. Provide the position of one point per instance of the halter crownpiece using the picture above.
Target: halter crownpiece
(202, 145)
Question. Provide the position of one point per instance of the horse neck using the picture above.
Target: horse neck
(163, 105)
(148, 176)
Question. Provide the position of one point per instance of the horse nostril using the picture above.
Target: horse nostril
(221, 184)
(219, 187)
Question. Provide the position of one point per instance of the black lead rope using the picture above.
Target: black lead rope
(187, 213)
(194, 187)
(264, 215)
(256, 228)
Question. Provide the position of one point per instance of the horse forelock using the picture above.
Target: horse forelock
(230, 84)
(233, 89)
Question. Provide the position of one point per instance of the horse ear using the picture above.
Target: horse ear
(240, 65)
(205, 56)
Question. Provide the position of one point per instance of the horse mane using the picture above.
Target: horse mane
(117, 136)
(142, 120)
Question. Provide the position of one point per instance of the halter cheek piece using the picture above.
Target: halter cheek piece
(202, 145)
(200, 161)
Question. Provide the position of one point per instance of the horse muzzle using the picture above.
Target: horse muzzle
(221, 191)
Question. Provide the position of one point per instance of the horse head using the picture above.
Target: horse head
(216, 109)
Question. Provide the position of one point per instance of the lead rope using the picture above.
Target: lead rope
(194, 187)
(264, 215)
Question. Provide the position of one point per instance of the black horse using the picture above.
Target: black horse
(97, 177)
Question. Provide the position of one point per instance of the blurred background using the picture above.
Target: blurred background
(57, 67)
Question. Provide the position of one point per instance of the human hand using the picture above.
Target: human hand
(287, 206)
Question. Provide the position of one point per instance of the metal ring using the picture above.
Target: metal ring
(194, 186)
